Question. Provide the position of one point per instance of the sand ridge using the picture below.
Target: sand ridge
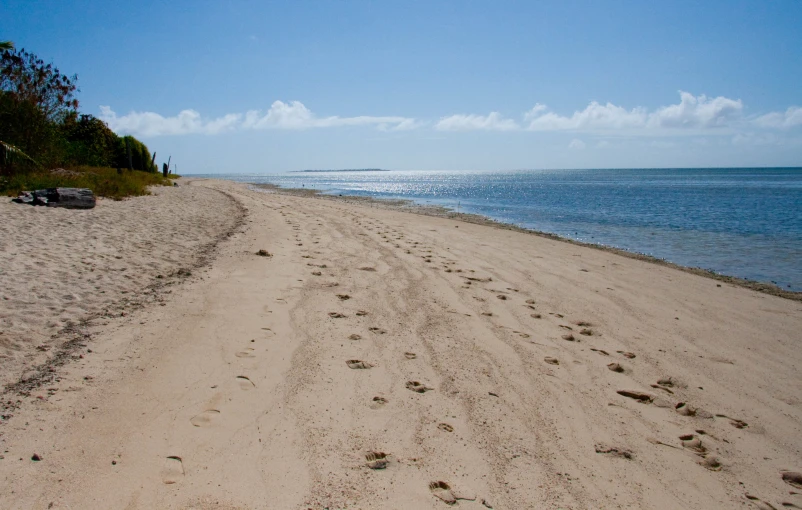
(467, 366)
(60, 267)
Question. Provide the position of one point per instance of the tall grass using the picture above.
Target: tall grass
(104, 182)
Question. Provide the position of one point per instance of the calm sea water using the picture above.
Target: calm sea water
(738, 221)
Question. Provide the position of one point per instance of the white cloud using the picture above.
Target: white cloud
(534, 112)
(576, 144)
(153, 124)
(595, 117)
(491, 122)
(692, 115)
(792, 117)
(280, 115)
(698, 112)
(294, 115)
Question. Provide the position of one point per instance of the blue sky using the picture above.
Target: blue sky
(274, 86)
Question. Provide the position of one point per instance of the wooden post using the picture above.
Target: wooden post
(152, 163)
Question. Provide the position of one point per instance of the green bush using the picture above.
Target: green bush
(140, 156)
(39, 118)
(90, 141)
(25, 126)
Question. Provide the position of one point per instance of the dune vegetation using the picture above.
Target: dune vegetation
(46, 142)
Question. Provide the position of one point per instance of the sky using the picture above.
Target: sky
(260, 87)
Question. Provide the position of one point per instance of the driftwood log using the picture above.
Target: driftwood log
(71, 198)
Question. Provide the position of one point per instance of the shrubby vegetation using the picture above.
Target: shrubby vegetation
(105, 182)
(41, 129)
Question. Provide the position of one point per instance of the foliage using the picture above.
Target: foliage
(9, 153)
(29, 79)
(91, 142)
(41, 128)
(140, 155)
(6, 45)
(105, 182)
(25, 126)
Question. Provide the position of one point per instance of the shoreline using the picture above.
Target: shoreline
(477, 219)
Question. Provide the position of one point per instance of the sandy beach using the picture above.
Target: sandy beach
(376, 359)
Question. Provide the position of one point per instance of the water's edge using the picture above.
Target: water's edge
(444, 212)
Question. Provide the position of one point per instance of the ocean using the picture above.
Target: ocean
(744, 222)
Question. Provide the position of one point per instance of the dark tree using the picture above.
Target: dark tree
(91, 142)
(29, 79)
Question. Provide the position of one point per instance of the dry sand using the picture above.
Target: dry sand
(467, 361)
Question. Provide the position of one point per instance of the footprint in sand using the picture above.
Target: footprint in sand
(361, 313)
(378, 402)
(245, 383)
(693, 442)
(793, 478)
(446, 427)
(569, 337)
(686, 409)
(367, 268)
(357, 364)
(586, 332)
(376, 460)
(316, 273)
(710, 462)
(569, 328)
(626, 354)
(245, 353)
(603, 353)
(502, 297)
(205, 419)
(644, 398)
(442, 490)
(671, 382)
(738, 424)
(172, 469)
(616, 367)
(535, 316)
(762, 505)
(343, 297)
(417, 387)
(551, 361)
(614, 451)
(658, 387)
(336, 315)
(378, 331)
(354, 336)
(410, 355)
